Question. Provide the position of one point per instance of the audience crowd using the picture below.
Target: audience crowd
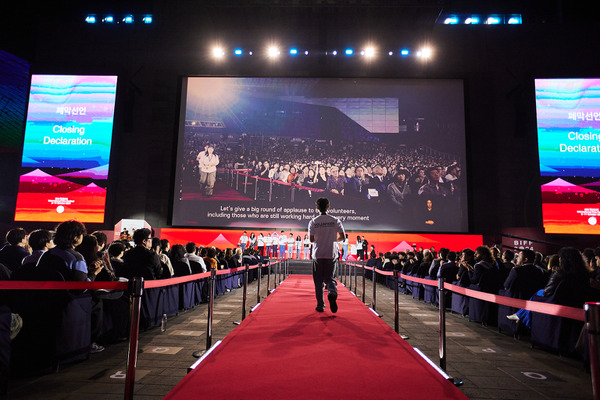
(82, 256)
(408, 178)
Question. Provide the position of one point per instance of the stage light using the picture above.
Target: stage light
(147, 19)
(90, 19)
(238, 52)
(492, 21)
(369, 52)
(272, 52)
(404, 52)
(451, 20)
(109, 19)
(349, 52)
(250, 53)
(391, 53)
(128, 19)
(334, 52)
(472, 21)
(293, 51)
(306, 52)
(425, 53)
(218, 52)
(515, 20)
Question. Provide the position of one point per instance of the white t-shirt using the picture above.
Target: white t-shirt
(325, 228)
(282, 240)
(244, 239)
(268, 240)
(260, 242)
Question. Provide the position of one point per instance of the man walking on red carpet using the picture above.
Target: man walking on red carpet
(324, 232)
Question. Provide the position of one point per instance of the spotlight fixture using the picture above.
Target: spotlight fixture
(493, 20)
(404, 52)
(238, 52)
(334, 52)
(370, 52)
(425, 53)
(349, 52)
(293, 51)
(390, 53)
(109, 19)
(514, 20)
(472, 20)
(306, 52)
(218, 52)
(147, 19)
(453, 20)
(128, 19)
(90, 19)
(272, 52)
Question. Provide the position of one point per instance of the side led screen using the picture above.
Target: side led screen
(258, 152)
(568, 120)
(66, 149)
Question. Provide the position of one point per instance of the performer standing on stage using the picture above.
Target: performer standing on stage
(207, 163)
(325, 232)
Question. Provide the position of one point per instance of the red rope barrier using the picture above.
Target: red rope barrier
(536, 306)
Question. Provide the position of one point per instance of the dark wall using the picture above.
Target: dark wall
(497, 63)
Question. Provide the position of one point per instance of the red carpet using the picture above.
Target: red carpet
(286, 350)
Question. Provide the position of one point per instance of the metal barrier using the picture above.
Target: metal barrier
(136, 288)
(592, 314)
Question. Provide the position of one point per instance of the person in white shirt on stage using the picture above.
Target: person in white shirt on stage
(282, 243)
(325, 232)
(306, 247)
(290, 246)
(243, 241)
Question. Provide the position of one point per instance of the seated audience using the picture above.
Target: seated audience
(12, 255)
(40, 241)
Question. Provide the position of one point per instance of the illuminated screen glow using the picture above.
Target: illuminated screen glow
(568, 119)
(66, 149)
(283, 142)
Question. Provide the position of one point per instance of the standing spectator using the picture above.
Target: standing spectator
(298, 246)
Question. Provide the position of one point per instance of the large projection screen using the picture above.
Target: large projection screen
(66, 151)
(568, 120)
(388, 153)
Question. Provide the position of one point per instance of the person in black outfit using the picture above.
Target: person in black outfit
(141, 261)
(13, 254)
(525, 278)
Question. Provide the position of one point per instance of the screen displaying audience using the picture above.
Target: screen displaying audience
(388, 153)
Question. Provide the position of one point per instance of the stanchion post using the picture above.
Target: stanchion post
(442, 305)
(211, 302)
(136, 287)
(396, 316)
(256, 188)
(355, 278)
(245, 184)
(270, 189)
(245, 292)
(592, 324)
(269, 279)
(278, 272)
(374, 289)
(260, 267)
(363, 284)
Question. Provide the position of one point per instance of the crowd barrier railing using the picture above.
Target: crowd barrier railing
(590, 313)
(242, 179)
(136, 287)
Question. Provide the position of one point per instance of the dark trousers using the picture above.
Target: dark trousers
(324, 272)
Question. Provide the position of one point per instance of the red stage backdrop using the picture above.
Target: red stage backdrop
(383, 241)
